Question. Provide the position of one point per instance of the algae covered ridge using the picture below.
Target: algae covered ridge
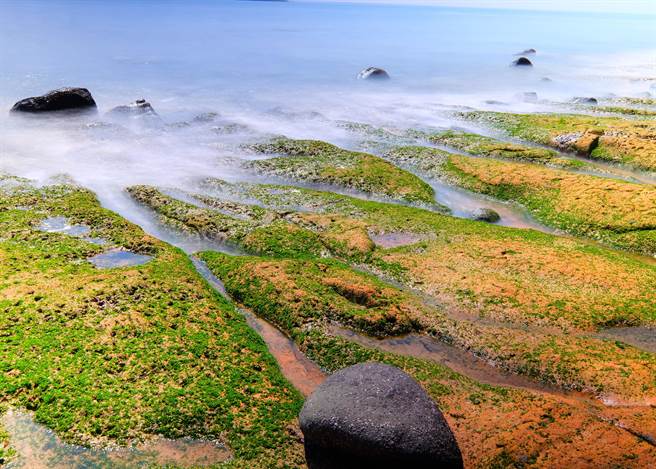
(352, 257)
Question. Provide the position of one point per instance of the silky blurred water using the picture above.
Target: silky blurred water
(272, 68)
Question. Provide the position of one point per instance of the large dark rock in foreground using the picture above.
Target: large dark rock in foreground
(373, 73)
(63, 99)
(375, 415)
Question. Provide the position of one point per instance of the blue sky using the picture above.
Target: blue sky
(623, 6)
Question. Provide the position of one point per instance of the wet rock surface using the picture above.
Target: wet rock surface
(486, 214)
(57, 100)
(375, 415)
(522, 62)
(139, 108)
(373, 73)
(585, 100)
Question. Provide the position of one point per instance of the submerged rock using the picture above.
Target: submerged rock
(522, 62)
(375, 415)
(530, 97)
(139, 108)
(205, 117)
(57, 100)
(527, 52)
(585, 100)
(486, 214)
(373, 73)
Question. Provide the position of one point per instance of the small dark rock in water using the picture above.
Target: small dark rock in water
(140, 107)
(494, 102)
(530, 97)
(546, 80)
(527, 52)
(57, 100)
(373, 73)
(375, 415)
(585, 100)
(206, 117)
(522, 62)
(487, 215)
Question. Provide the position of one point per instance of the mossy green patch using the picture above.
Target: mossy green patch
(118, 354)
(509, 272)
(267, 234)
(303, 295)
(619, 213)
(481, 145)
(614, 139)
(323, 163)
(292, 293)
(629, 111)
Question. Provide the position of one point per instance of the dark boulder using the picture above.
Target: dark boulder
(140, 107)
(486, 214)
(375, 415)
(63, 99)
(522, 62)
(373, 73)
(585, 100)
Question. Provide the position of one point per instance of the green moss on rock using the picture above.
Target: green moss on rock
(614, 139)
(118, 354)
(323, 163)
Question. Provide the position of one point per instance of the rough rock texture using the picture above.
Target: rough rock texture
(522, 62)
(585, 100)
(486, 214)
(373, 73)
(140, 107)
(375, 415)
(57, 100)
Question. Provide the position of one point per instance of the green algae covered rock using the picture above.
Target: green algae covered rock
(322, 163)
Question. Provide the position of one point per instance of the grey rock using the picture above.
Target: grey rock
(530, 97)
(373, 73)
(585, 100)
(206, 117)
(527, 52)
(62, 99)
(522, 62)
(139, 108)
(486, 214)
(375, 415)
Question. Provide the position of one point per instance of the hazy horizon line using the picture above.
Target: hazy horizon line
(583, 6)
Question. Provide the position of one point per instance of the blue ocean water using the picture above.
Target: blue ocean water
(213, 48)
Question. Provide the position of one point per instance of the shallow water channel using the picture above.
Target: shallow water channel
(38, 447)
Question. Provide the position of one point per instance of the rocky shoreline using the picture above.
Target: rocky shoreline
(137, 345)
